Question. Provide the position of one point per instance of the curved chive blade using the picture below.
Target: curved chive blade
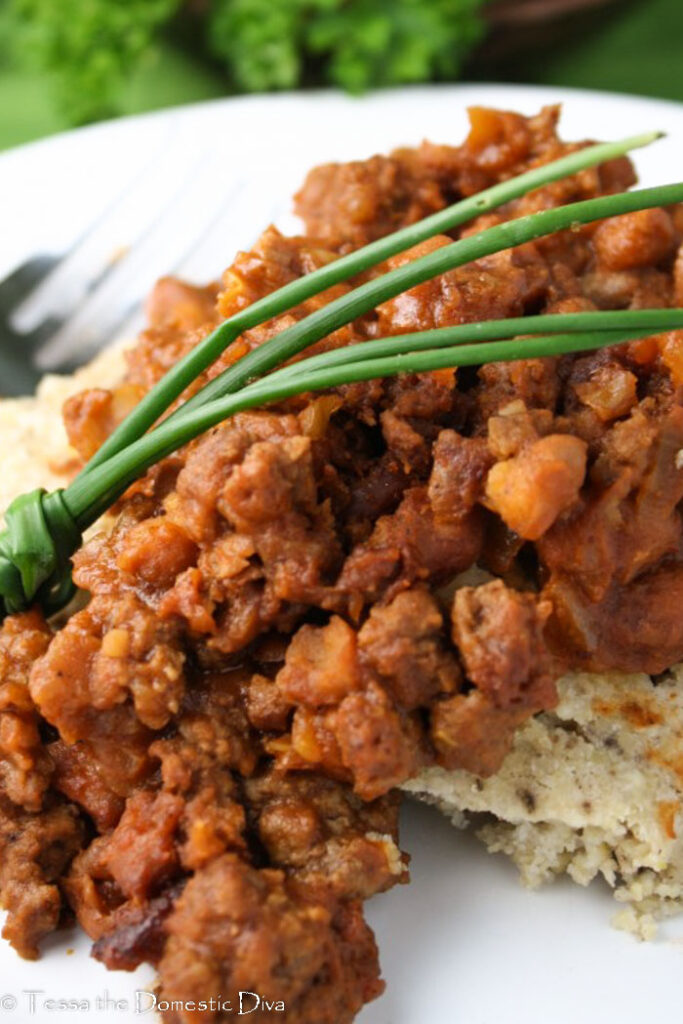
(25, 561)
(361, 300)
(163, 394)
(64, 513)
(653, 320)
(88, 499)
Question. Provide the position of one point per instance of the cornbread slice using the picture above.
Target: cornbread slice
(34, 445)
(594, 788)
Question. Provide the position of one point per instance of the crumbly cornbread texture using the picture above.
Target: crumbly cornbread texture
(35, 449)
(592, 789)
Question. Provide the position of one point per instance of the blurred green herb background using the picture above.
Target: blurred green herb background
(68, 62)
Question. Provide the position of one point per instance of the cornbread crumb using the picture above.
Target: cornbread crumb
(643, 926)
(391, 851)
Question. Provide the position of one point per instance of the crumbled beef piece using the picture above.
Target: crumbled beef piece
(110, 653)
(271, 497)
(458, 475)
(139, 933)
(236, 928)
(89, 419)
(35, 851)
(405, 443)
(267, 708)
(25, 767)
(636, 478)
(531, 381)
(140, 854)
(322, 833)
(213, 718)
(410, 546)
(155, 552)
(491, 288)
(379, 744)
(632, 629)
(403, 645)
(80, 778)
(174, 303)
(471, 733)
(91, 891)
(360, 201)
(211, 461)
(499, 633)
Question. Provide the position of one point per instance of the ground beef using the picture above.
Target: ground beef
(499, 633)
(35, 851)
(278, 633)
(239, 929)
(402, 645)
(25, 767)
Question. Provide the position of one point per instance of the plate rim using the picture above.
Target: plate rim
(287, 96)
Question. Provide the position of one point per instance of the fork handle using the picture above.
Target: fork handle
(17, 377)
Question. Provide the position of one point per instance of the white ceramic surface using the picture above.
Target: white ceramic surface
(464, 943)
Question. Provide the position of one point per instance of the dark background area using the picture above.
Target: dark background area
(627, 46)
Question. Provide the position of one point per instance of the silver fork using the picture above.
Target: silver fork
(18, 371)
(182, 214)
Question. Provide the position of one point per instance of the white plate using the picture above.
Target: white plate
(464, 943)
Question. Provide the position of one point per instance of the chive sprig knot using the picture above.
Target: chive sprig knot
(40, 537)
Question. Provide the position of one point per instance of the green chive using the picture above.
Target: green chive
(43, 530)
(163, 394)
(652, 320)
(367, 296)
(88, 499)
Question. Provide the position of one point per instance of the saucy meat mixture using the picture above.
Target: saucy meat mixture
(201, 764)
